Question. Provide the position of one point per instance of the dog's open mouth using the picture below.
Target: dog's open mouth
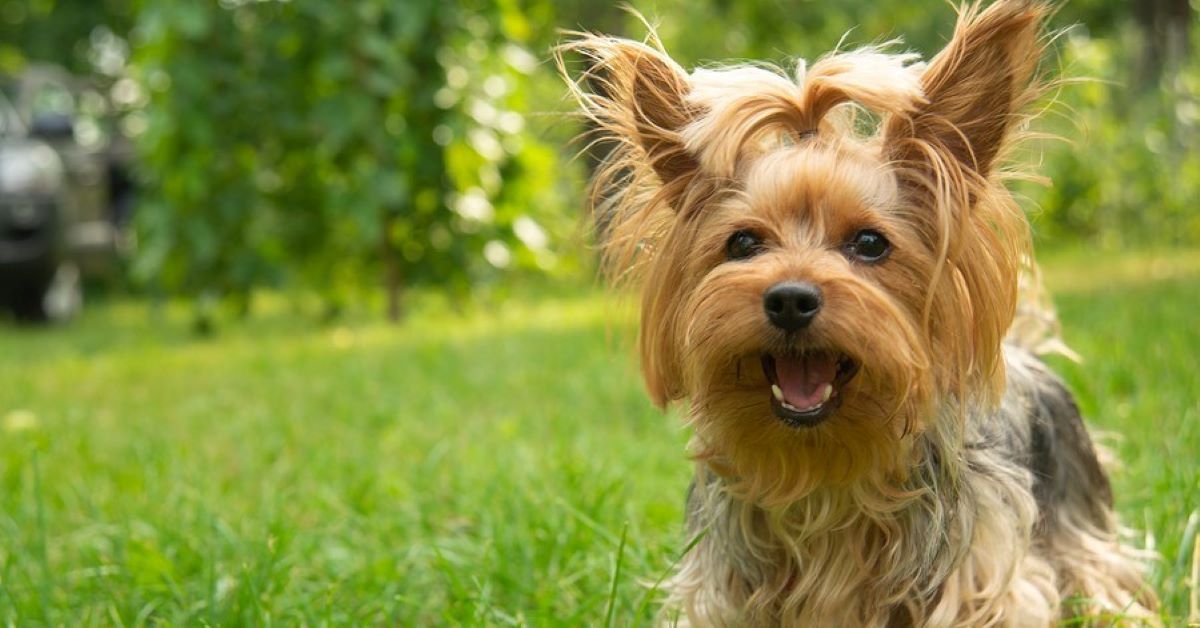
(805, 387)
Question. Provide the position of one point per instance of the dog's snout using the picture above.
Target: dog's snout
(792, 305)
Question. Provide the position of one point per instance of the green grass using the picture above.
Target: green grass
(465, 468)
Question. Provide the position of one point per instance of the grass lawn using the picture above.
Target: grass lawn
(477, 469)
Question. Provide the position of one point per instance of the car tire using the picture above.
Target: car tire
(56, 298)
(28, 304)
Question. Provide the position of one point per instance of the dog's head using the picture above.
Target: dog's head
(813, 288)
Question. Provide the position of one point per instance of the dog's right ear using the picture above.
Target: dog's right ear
(636, 96)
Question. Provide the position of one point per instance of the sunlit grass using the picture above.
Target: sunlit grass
(489, 467)
(1134, 321)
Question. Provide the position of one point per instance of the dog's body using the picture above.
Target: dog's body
(833, 306)
(1022, 521)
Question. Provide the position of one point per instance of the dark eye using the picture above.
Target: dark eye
(869, 246)
(741, 245)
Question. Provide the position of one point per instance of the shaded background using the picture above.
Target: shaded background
(341, 146)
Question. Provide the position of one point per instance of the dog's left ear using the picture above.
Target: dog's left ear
(636, 99)
(974, 89)
(635, 95)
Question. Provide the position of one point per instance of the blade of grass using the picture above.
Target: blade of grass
(1194, 585)
(1189, 537)
(669, 570)
(616, 575)
(40, 519)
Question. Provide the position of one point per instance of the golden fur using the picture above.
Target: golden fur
(887, 513)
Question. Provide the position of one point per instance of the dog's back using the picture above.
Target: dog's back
(1076, 529)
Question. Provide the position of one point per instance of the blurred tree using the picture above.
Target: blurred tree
(1128, 172)
(70, 33)
(328, 141)
(1165, 26)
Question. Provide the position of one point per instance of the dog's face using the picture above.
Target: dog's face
(802, 302)
(817, 293)
(796, 318)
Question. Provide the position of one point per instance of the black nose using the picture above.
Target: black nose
(792, 305)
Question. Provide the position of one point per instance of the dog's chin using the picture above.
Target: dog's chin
(807, 388)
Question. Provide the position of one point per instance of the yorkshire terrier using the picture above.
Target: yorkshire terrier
(833, 295)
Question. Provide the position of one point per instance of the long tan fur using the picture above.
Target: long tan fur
(921, 501)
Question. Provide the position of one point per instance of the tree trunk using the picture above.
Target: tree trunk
(1165, 26)
(393, 281)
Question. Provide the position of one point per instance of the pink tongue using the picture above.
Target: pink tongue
(803, 379)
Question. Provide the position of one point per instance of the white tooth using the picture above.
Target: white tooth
(827, 393)
(775, 390)
(790, 407)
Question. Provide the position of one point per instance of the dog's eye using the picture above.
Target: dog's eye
(869, 246)
(742, 244)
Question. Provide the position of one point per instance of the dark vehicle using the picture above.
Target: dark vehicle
(64, 196)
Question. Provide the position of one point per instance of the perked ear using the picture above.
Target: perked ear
(637, 101)
(945, 153)
(975, 88)
(635, 95)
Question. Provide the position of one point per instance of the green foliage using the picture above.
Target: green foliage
(321, 141)
(460, 470)
(1125, 170)
(65, 32)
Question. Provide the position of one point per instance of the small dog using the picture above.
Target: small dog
(834, 302)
